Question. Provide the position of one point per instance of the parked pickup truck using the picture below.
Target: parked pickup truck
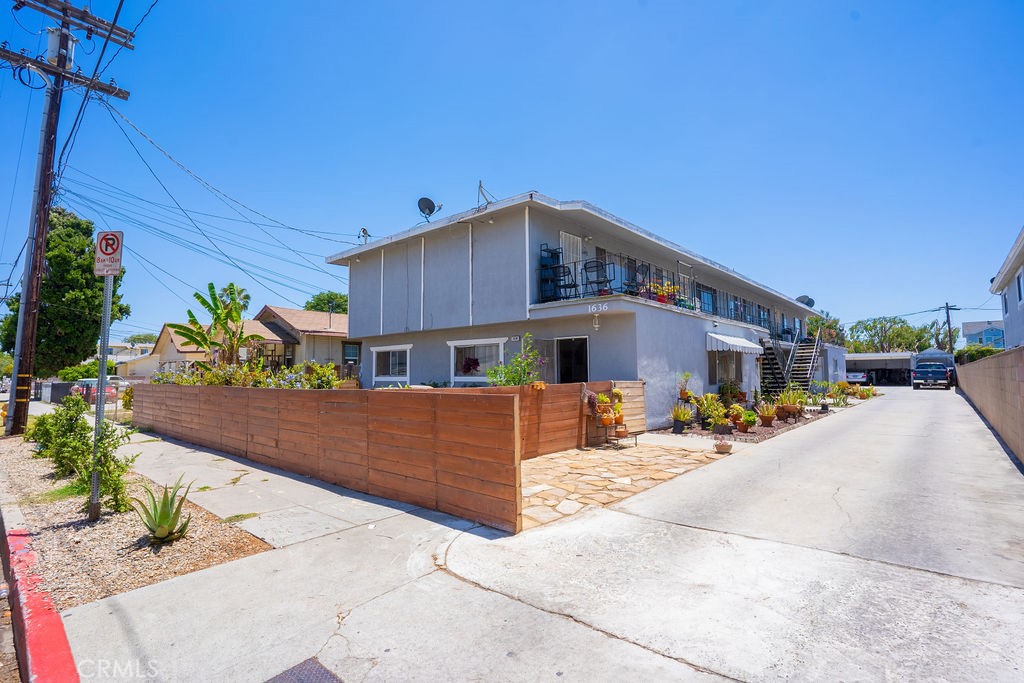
(930, 375)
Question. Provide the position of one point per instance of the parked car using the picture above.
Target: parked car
(931, 375)
(86, 388)
(856, 377)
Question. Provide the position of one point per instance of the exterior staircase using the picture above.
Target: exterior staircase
(803, 359)
(779, 369)
(773, 367)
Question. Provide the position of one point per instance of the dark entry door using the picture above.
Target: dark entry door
(572, 360)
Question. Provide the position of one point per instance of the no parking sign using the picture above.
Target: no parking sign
(108, 253)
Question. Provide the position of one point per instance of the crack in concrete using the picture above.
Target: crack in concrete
(576, 620)
(897, 565)
(849, 518)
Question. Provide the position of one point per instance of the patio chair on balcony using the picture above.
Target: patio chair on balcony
(640, 283)
(565, 283)
(597, 277)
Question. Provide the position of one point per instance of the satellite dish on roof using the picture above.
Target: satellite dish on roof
(427, 207)
(806, 300)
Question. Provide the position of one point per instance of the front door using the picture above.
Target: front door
(572, 360)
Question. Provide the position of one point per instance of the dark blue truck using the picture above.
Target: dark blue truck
(930, 375)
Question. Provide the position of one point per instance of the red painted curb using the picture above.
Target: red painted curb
(44, 653)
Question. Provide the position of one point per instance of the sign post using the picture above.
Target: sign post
(107, 266)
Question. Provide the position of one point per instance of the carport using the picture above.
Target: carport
(882, 368)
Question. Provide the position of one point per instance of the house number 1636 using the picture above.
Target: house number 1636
(598, 308)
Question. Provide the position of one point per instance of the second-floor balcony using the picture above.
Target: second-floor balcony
(623, 274)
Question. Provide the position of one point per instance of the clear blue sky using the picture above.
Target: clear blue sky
(868, 154)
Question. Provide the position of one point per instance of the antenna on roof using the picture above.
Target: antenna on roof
(427, 207)
(364, 234)
(806, 300)
(482, 193)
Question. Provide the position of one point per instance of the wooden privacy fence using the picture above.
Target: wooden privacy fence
(440, 450)
(995, 386)
(454, 450)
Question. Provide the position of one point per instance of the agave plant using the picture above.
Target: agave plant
(161, 517)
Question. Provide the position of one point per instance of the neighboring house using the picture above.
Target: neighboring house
(309, 336)
(119, 352)
(444, 301)
(985, 333)
(173, 352)
(140, 367)
(1009, 285)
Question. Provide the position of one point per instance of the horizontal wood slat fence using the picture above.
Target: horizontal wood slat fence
(453, 450)
(995, 386)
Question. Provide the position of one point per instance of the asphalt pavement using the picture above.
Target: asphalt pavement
(886, 542)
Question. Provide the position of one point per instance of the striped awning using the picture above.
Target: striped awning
(723, 342)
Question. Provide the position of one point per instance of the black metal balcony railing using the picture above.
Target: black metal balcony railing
(623, 274)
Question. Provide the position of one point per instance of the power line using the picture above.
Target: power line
(133, 31)
(185, 213)
(73, 133)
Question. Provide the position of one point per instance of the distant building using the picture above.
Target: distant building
(985, 333)
(1009, 285)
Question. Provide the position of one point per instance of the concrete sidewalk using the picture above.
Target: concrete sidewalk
(356, 584)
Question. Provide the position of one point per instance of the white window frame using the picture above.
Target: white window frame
(1019, 280)
(387, 349)
(453, 344)
(1006, 303)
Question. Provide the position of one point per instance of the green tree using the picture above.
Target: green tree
(71, 298)
(6, 364)
(142, 338)
(225, 334)
(241, 299)
(887, 334)
(324, 300)
(831, 331)
(939, 335)
(73, 373)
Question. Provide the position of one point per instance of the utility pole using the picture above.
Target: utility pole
(56, 73)
(949, 325)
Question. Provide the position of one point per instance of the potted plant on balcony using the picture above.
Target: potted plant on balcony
(681, 416)
(766, 413)
(748, 420)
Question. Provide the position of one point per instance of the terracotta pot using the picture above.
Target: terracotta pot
(766, 421)
(792, 410)
(735, 419)
(620, 418)
(743, 427)
(606, 419)
(621, 431)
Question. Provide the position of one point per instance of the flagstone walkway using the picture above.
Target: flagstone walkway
(561, 484)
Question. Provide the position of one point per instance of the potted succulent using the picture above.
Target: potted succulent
(683, 380)
(617, 413)
(706, 405)
(748, 420)
(681, 416)
(766, 413)
(604, 404)
(721, 445)
(735, 413)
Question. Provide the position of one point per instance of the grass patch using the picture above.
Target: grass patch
(239, 518)
(205, 488)
(147, 440)
(73, 490)
(237, 479)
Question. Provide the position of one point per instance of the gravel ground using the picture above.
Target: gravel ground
(80, 561)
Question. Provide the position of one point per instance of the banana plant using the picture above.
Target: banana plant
(161, 517)
(225, 334)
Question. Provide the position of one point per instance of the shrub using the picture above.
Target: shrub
(73, 373)
(112, 468)
(128, 398)
(681, 413)
(522, 368)
(973, 352)
(749, 418)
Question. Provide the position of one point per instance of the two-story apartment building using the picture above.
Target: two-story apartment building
(603, 299)
(984, 333)
(1009, 285)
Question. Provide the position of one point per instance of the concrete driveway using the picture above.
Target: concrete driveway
(886, 542)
